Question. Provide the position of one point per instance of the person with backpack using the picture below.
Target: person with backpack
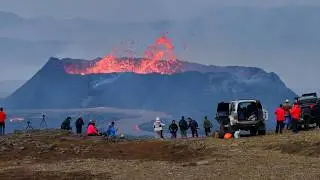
(79, 124)
(193, 125)
(183, 125)
(207, 125)
(173, 128)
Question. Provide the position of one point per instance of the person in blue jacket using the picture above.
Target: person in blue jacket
(111, 132)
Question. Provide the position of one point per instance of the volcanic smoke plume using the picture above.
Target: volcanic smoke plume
(157, 58)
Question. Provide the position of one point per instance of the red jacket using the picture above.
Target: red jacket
(92, 130)
(3, 117)
(280, 113)
(295, 112)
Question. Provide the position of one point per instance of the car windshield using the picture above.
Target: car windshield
(307, 100)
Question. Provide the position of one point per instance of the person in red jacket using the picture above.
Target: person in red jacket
(92, 130)
(295, 114)
(280, 116)
(3, 117)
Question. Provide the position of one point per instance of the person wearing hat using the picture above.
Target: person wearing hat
(286, 106)
(158, 128)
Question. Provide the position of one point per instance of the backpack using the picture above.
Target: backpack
(193, 124)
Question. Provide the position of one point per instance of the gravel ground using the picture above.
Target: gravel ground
(58, 155)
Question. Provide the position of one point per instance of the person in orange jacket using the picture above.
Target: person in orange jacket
(3, 117)
(280, 116)
(295, 114)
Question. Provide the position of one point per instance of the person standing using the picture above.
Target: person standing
(79, 124)
(158, 128)
(295, 114)
(183, 125)
(3, 117)
(280, 116)
(173, 128)
(286, 106)
(207, 125)
(193, 125)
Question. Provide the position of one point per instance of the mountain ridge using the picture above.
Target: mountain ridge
(193, 93)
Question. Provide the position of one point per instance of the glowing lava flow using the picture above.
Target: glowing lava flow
(158, 58)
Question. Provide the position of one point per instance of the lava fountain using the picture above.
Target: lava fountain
(157, 58)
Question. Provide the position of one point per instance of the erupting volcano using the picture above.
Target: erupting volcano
(158, 58)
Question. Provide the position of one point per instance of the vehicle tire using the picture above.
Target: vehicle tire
(262, 129)
(306, 122)
(261, 132)
(253, 132)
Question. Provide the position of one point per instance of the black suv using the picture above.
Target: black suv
(308, 102)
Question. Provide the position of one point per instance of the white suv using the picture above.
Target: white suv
(246, 115)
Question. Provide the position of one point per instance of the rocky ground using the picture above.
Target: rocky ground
(58, 155)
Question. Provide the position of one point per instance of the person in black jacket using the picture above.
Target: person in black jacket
(183, 125)
(193, 125)
(173, 128)
(66, 124)
(79, 123)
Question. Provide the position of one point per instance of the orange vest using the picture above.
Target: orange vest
(3, 117)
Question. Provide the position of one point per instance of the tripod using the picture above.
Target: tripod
(43, 123)
(28, 125)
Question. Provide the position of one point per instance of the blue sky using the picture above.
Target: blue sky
(276, 35)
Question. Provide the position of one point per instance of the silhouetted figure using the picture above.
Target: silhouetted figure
(66, 124)
(79, 124)
(173, 128)
(207, 125)
(183, 125)
(193, 125)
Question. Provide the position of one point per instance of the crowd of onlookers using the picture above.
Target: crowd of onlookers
(287, 116)
(184, 125)
(92, 129)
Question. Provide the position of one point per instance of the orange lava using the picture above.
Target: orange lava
(158, 58)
